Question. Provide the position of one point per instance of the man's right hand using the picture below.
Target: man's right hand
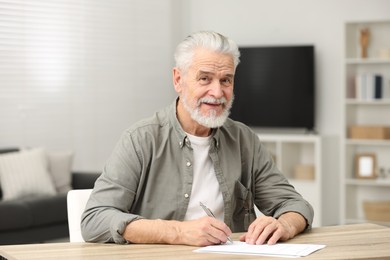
(203, 232)
(199, 232)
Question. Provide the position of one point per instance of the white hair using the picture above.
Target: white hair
(206, 39)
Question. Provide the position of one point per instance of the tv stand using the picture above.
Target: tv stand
(284, 131)
(311, 131)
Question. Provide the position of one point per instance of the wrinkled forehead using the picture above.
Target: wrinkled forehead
(212, 61)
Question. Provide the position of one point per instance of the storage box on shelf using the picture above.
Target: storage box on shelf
(369, 132)
(377, 210)
(366, 119)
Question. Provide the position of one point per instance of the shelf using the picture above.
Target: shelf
(374, 102)
(364, 112)
(359, 61)
(375, 182)
(293, 138)
(367, 142)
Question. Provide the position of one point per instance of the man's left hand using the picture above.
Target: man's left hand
(271, 230)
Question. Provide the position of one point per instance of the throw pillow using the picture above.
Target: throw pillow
(60, 169)
(25, 174)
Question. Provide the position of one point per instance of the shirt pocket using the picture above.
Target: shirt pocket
(244, 213)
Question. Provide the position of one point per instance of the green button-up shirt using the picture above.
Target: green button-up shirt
(149, 175)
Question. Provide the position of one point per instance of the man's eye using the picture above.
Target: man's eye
(226, 81)
(204, 79)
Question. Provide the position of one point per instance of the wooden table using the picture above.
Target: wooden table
(360, 241)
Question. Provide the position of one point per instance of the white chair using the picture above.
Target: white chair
(76, 201)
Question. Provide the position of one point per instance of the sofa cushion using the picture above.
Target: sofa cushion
(6, 150)
(32, 212)
(24, 174)
(48, 210)
(14, 215)
(60, 168)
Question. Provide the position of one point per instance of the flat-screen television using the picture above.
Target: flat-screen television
(274, 87)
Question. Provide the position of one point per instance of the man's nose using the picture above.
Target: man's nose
(216, 89)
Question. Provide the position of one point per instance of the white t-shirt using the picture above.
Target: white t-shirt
(205, 187)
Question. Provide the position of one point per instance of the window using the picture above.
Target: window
(75, 73)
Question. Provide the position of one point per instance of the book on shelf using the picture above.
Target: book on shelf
(368, 86)
(378, 86)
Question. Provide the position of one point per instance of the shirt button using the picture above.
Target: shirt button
(188, 164)
(186, 195)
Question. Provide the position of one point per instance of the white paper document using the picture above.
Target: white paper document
(277, 250)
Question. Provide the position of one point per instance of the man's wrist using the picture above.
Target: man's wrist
(153, 231)
(294, 222)
(172, 232)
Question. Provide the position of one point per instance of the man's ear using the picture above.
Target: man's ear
(177, 80)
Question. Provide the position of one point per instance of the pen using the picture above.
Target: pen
(211, 214)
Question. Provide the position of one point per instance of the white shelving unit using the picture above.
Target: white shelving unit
(292, 150)
(354, 191)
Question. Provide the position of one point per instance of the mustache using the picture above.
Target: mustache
(217, 101)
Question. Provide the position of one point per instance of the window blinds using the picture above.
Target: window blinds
(75, 73)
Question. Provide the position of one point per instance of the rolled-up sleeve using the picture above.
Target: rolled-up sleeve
(107, 211)
(274, 194)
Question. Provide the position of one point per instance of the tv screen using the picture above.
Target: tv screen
(274, 87)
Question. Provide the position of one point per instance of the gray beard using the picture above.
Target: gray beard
(211, 120)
